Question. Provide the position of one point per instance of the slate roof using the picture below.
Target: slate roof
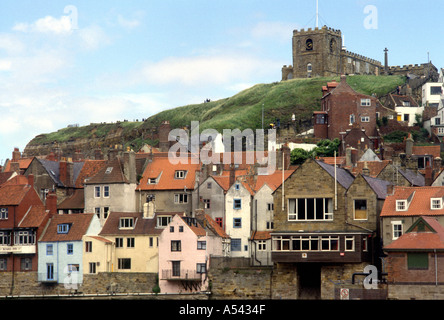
(53, 169)
(432, 237)
(343, 176)
(419, 204)
(79, 224)
(414, 178)
(378, 185)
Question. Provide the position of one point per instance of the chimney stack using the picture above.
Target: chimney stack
(129, 166)
(16, 155)
(148, 209)
(51, 203)
(66, 172)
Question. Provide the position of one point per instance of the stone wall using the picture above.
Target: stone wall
(235, 279)
(415, 292)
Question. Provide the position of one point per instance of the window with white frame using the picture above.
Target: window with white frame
(352, 118)
(201, 268)
(262, 245)
(126, 223)
(349, 243)
(365, 119)
(366, 102)
(106, 191)
(3, 213)
(24, 237)
(163, 221)
(181, 198)
(401, 205)
(5, 238)
(305, 243)
(436, 203)
(440, 130)
(396, 229)
(180, 174)
(97, 192)
(63, 228)
(309, 209)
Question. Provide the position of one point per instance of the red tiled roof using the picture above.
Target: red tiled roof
(420, 201)
(375, 167)
(272, 180)
(79, 226)
(110, 172)
(164, 171)
(75, 201)
(432, 238)
(216, 227)
(12, 195)
(435, 151)
(89, 169)
(34, 217)
(141, 225)
(261, 235)
(23, 164)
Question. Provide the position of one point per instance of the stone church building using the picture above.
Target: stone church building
(319, 52)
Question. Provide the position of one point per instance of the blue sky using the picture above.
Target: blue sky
(77, 62)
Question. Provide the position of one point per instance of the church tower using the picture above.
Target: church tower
(316, 53)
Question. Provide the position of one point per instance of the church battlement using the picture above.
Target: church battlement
(323, 29)
(361, 58)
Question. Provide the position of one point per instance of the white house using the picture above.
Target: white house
(431, 93)
(238, 207)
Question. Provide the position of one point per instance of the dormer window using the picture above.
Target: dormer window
(163, 221)
(401, 205)
(63, 228)
(126, 223)
(436, 203)
(180, 174)
(152, 181)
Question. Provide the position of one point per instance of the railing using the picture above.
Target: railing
(181, 274)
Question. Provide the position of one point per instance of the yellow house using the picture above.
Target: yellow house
(128, 242)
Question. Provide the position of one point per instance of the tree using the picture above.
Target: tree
(298, 156)
(324, 148)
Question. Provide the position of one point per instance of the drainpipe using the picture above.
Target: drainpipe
(436, 269)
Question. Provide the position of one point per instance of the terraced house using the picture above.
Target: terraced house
(326, 227)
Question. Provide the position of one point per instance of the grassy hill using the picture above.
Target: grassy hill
(279, 100)
(243, 110)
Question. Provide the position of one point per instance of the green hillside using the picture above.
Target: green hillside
(243, 110)
(279, 100)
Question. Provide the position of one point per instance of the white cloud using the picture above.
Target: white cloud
(128, 24)
(5, 64)
(47, 24)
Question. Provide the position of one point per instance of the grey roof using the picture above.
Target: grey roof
(416, 179)
(378, 185)
(369, 155)
(52, 167)
(344, 177)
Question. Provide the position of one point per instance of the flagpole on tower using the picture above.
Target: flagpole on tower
(317, 14)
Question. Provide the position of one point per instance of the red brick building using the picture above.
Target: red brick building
(417, 256)
(347, 115)
(22, 219)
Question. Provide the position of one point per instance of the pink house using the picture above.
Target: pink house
(185, 247)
